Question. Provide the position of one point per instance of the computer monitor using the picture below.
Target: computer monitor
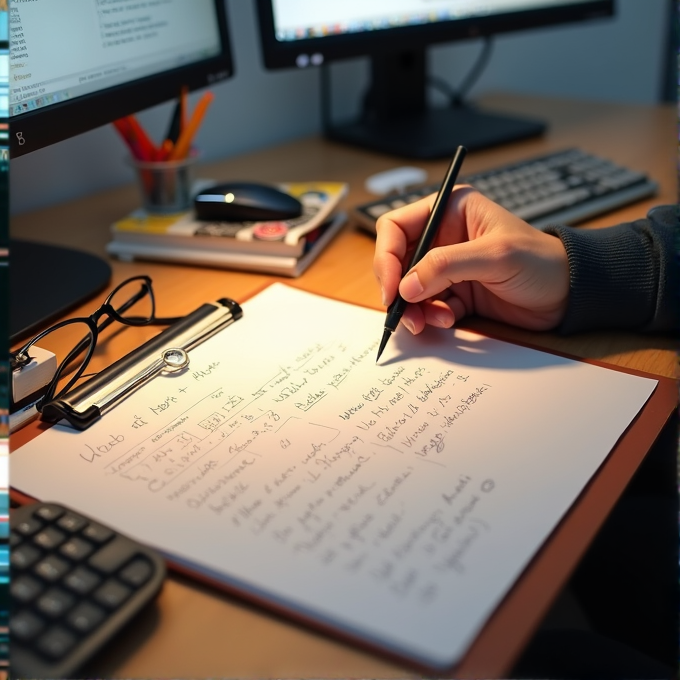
(76, 68)
(395, 34)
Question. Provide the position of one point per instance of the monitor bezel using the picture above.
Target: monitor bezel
(283, 54)
(43, 127)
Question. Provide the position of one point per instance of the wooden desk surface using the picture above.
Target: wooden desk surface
(194, 631)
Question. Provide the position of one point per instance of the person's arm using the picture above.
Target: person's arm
(625, 276)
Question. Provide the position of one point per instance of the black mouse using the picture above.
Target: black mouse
(245, 202)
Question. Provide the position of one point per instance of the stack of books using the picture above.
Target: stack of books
(284, 248)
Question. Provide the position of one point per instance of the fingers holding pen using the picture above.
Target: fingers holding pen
(438, 312)
(516, 274)
(438, 286)
(395, 232)
(398, 231)
(445, 266)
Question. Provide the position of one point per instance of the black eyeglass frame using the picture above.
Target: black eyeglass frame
(21, 357)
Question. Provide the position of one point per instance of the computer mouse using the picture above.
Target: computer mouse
(245, 202)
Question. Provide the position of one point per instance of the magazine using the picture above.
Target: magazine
(253, 260)
(141, 233)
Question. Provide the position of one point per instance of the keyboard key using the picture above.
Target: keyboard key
(82, 580)
(24, 625)
(49, 538)
(85, 617)
(25, 588)
(76, 549)
(378, 210)
(71, 522)
(54, 602)
(112, 594)
(97, 533)
(28, 526)
(113, 556)
(137, 572)
(49, 512)
(52, 568)
(534, 208)
(24, 556)
(56, 642)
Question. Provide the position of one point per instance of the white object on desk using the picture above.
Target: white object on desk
(396, 179)
(30, 380)
(34, 375)
(397, 502)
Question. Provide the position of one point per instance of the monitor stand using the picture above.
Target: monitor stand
(397, 120)
(436, 133)
(46, 281)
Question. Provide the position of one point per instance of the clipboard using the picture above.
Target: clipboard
(166, 353)
(497, 644)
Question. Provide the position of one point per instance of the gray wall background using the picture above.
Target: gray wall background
(623, 59)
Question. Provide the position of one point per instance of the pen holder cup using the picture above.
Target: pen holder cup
(165, 185)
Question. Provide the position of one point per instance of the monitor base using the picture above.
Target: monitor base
(436, 133)
(46, 281)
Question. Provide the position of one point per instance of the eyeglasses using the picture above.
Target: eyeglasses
(137, 290)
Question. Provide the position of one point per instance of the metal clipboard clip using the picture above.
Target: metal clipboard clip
(167, 352)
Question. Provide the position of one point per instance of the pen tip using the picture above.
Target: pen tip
(383, 342)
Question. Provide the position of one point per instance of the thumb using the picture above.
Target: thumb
(443, 266)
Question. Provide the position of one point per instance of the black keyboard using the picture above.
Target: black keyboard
(74, 584)
(564, 187)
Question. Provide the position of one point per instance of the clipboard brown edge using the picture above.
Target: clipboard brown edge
(501, 639)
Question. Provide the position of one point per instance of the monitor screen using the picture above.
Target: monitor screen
(74, 70)
(300, 33)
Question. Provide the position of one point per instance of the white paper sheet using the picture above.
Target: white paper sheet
(398, 502)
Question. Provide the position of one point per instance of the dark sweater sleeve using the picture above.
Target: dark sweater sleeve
(624, 277)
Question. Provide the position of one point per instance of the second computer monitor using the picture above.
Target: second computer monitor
(72, 71)
(395, 34)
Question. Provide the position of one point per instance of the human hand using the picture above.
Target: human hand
(484, 261)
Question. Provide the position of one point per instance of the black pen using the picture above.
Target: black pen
(396, 309)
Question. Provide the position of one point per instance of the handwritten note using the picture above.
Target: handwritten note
(397, 502)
